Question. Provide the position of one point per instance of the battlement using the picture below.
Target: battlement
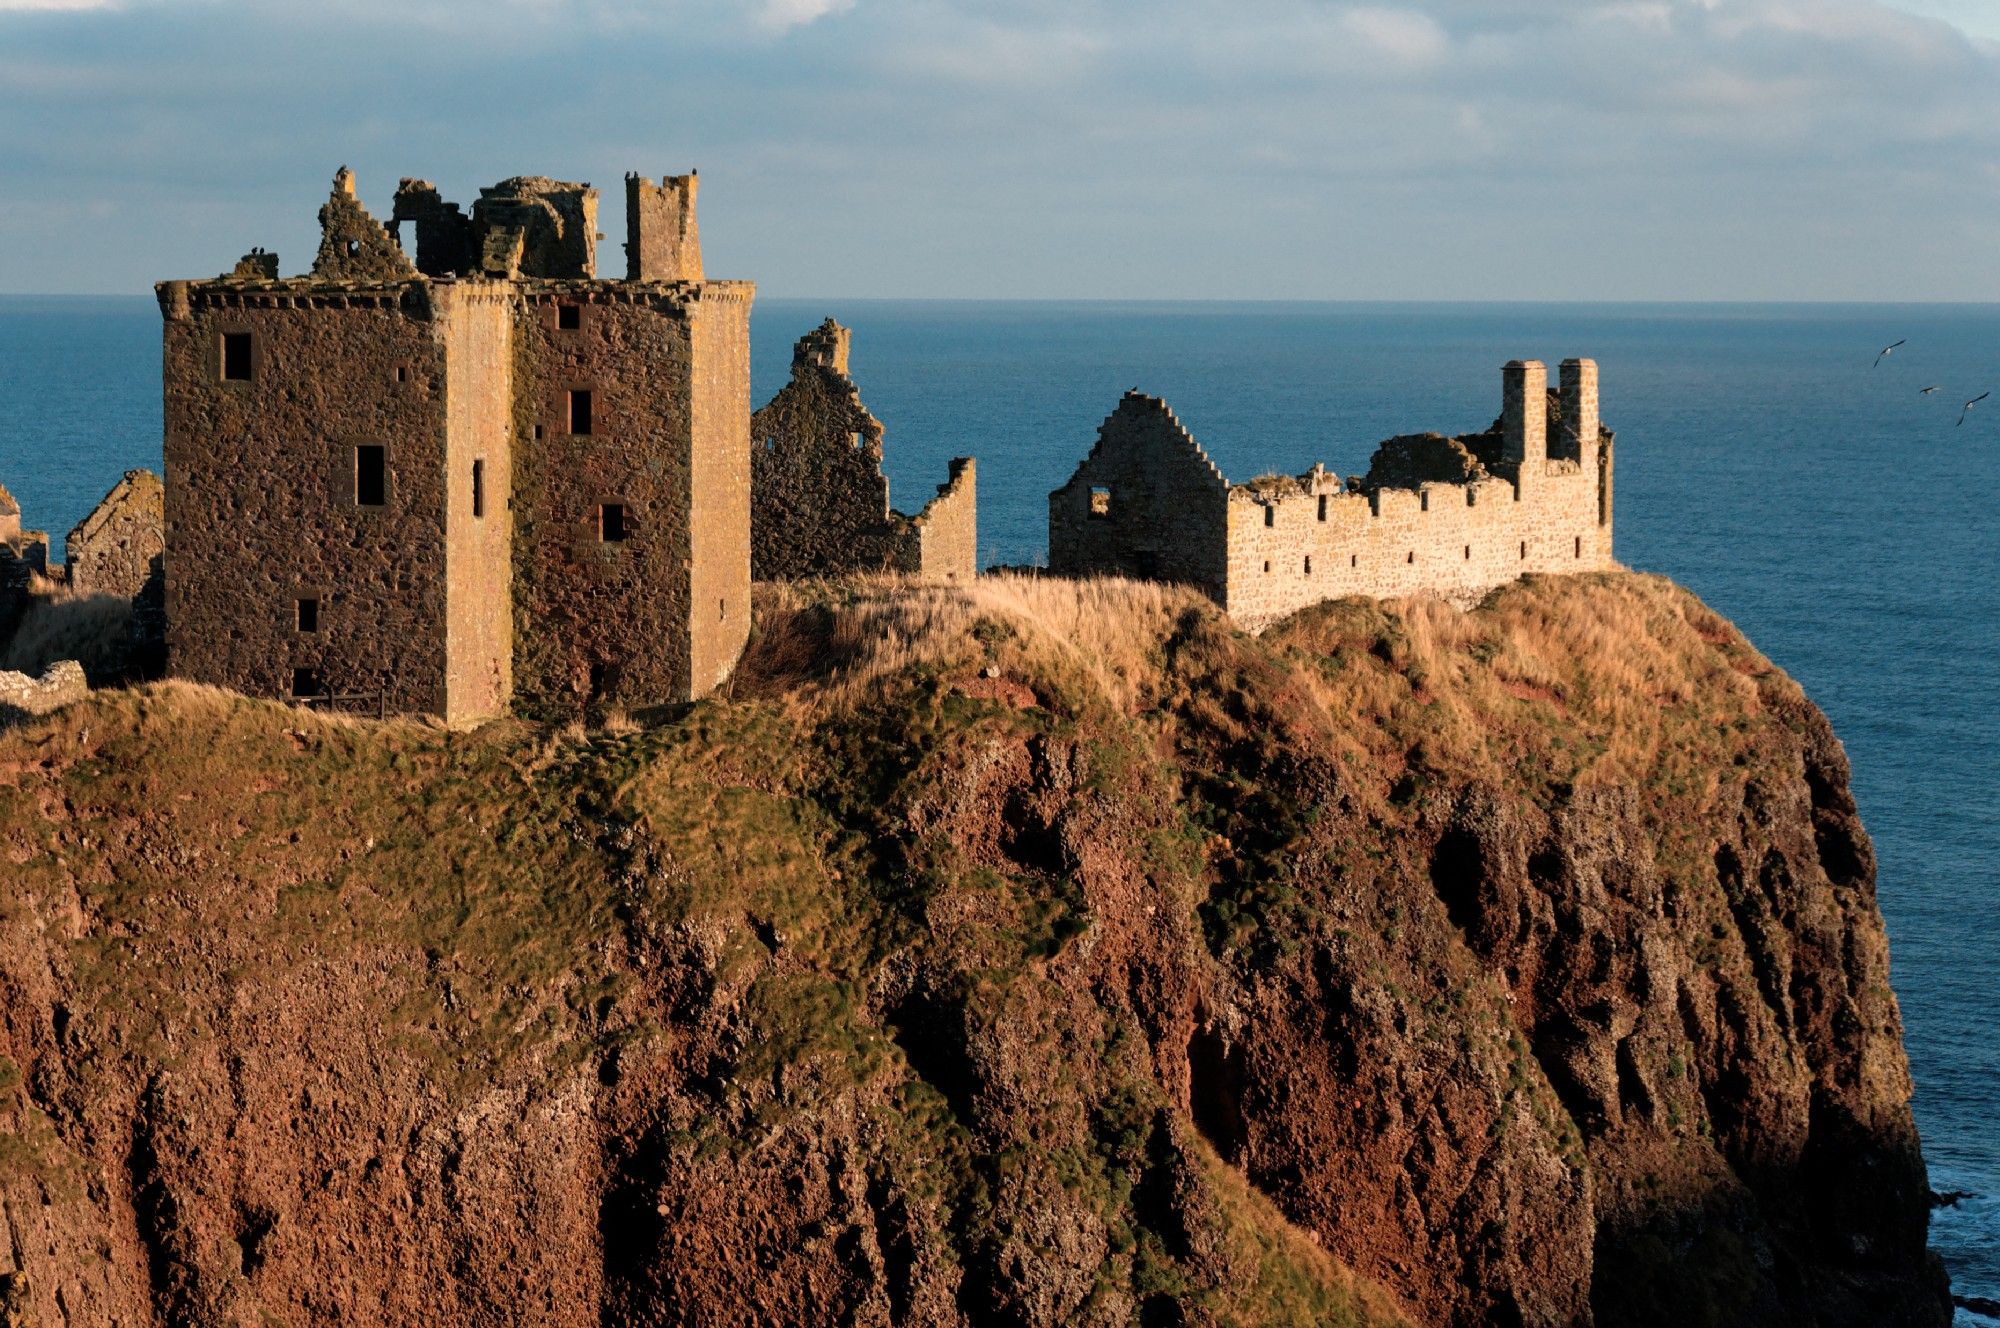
(1434, 515)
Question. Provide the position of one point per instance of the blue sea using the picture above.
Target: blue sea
(1841, 518)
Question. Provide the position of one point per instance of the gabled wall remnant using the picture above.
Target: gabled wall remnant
(1147, 502)
(119, 547)
(1453, 517)
(662, 239)
(353, 246)
(820, 502)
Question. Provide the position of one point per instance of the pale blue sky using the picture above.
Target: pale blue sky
(1406, 149)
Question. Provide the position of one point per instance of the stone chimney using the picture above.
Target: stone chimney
(1524, 415)
(1581, 425)
(662, 239)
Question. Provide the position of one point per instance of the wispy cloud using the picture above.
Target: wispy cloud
(783, 15)
(1571, 148)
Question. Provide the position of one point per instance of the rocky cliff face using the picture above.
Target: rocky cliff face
(1017, 954)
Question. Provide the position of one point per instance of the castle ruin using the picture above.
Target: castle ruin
(470, 480)
(1451, 516)
(820, 502)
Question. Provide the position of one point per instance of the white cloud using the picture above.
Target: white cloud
(784, 15)
(1405, 36)
(20, 6)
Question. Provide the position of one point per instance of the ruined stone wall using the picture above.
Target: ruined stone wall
(602, 619)
(821, 501)
(719, 538)
(1453, 540)
(948, 527)
(1147, 502)
(476, 320)
(24, 555)
(262, 507)
(820, 504)
(1429, 519)
(23, 697)
(118, 548)
(1296, 542)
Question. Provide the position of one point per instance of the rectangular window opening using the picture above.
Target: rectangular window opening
(1468, 553)
(308, 615)
(569, 317)
(1410, 557)
(402, 373)
(1354, 560)
(579, 411)
(724, 606)
(1579, 546)
(308, 682)
(478, 489)
(371, 475)
(1100, 501)
(1309, 565)
(236, 361)
(1267, 565)
(611, 522)
(1322, 507)
(1524, 549)
(1270, 515)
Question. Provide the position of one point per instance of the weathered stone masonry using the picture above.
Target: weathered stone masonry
(1452, 517)
(821, 502)
(478, 479)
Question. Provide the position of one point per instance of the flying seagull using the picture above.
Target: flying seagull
(1889, 350)
(1969, 405)
(1927, 391)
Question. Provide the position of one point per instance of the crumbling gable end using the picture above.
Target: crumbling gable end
(819, 500)
(353, 246)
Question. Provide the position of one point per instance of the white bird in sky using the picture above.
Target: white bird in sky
(1969, 405)
(1889, 350)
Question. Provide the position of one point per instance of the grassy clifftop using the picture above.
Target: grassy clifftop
(1027, 952)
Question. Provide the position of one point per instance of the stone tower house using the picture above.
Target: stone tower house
(473, 479)
(1448, 516)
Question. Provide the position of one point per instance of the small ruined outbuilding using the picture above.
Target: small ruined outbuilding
(24, 555)
(1454, 517)
(469, 477)
(819, 501)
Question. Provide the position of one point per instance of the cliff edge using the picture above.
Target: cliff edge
(1018, 953)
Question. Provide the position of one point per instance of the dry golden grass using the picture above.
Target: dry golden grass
(94, 630)
(854, 636)
(1597, 675)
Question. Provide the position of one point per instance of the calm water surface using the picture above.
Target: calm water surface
(1834, 513)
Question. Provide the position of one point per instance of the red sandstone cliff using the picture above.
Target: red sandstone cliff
(1022, 954)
